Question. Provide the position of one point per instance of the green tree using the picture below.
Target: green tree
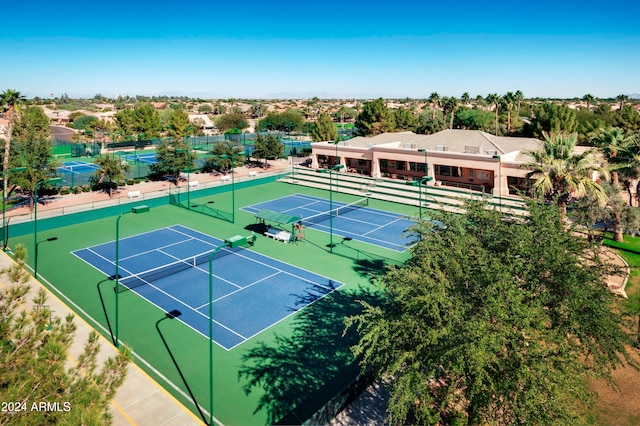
(473, 119)
(427, 124)
(291, 120)
(552, 118)
(83, 121)
(268, 147)
(493, 322)
(405, 120)
(628, 118)
(33, 150)
(179, 124)
(34, 366)
(10, 101)
(562, 175)
(112, 170)
(223, 154)
(231, 121)
(375, 118)
(173, 156)
(258, 110)
(323, 129)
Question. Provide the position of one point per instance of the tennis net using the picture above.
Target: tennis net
(136, 280)
(339, 211)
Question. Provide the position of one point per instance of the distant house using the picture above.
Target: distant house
(465, 158)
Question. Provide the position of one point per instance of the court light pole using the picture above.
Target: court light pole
(331, 171)
(35, 217)
(135, 210)
(426, 170)
(5, 233)
(231, 243)
(35, 267)
(337, 163)
(232, 157)
(420, 183)
(499, 158)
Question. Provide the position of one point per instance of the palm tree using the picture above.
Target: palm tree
(480, 102)
(622, 99)
(588, 98)
(450, 105)
(610, 142)
(519, 98)
(465, 98)
(494, 99)
(434, 99)
(562, 174)
(627, 164)
(509, 100)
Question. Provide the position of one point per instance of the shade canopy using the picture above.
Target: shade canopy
(277, 217)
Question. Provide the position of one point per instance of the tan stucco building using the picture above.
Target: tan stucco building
(465, 158)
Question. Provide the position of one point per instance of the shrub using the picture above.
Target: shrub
(64, 190)
(86, 188)
(76, 190)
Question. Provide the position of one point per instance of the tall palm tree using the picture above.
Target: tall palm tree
(610, 142)
(10, 100)
(622, 99)
(434, 99)
(627, 164)
(588, 98)
(510, 101)
(519, 98)
(450, 105)
(465, 98)
(494, 99)
(480, 102)
(562, 174)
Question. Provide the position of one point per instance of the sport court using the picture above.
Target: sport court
(169, 268)
(354, 220)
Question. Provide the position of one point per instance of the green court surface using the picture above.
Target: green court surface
(297, 365)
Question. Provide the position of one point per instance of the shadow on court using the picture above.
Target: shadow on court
(104, 308)
(171, 315)
(301, 373)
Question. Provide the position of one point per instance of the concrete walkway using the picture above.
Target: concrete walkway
(140, 400)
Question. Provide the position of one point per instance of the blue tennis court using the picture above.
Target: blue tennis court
(149, 158)
(169, 268)
(355, 221)
(77, 167)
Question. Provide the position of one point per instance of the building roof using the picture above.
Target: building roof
(452, 140)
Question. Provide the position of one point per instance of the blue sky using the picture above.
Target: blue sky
(330, 49)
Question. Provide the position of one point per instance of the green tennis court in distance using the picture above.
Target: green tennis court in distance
(305, 353)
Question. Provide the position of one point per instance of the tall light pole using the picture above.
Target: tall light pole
(232, 157)
(331, 171)
(337, 163)
(35, 216)
(135, 210)
(237, 241)
(5, 232)
(426, 170)
(499, 158)
(422, 182)
(35, 267)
